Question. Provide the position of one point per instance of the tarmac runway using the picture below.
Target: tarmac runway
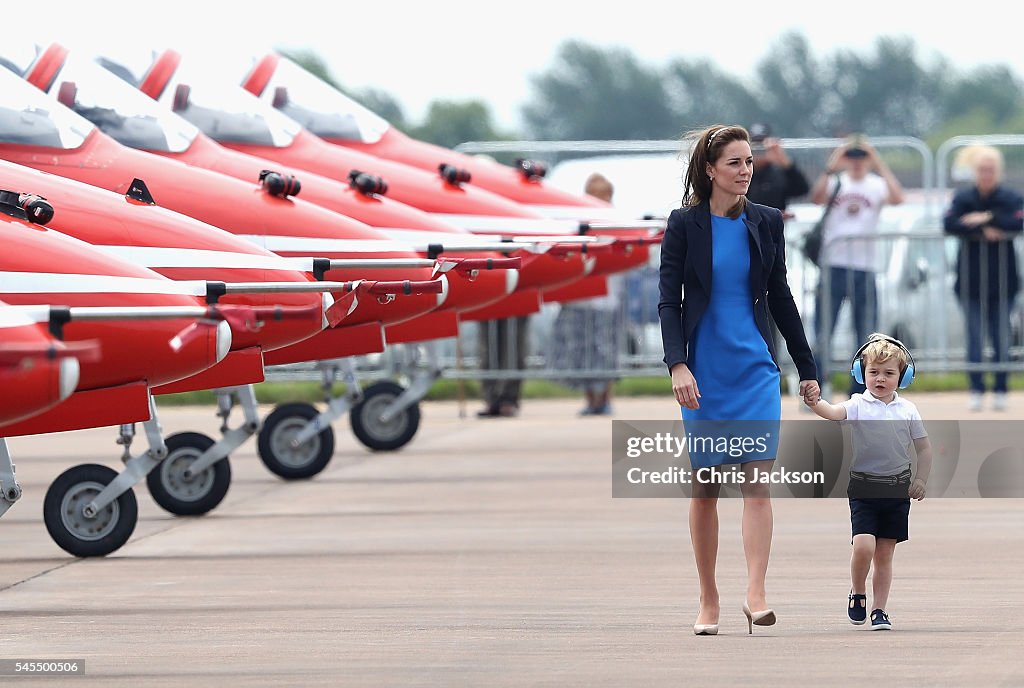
(491, 553)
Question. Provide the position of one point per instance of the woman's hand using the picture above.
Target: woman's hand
(810, 391)
(994, 233)
(684, 386)
(976, 218)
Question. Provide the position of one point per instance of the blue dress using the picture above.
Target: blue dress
(735, 373)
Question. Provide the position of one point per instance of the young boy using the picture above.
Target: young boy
(880, 476)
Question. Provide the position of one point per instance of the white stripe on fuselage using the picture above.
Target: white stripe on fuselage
(73, 283)
(419, 239)
(165, 257)
(11, 316)
(490, 224)
(316, 245)
(579, 213)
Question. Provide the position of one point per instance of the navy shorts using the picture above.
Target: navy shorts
(882, 517)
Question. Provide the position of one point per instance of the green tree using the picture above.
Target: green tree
(592, 93)
(449, 123)
(885, 92)
(794, 93)
(992, 88)
(384, 104)
(700, 94)
(376, 100)
(314, 64)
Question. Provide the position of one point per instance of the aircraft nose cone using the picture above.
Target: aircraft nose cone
(67, 377)
(223, 340)
(443, 294)
(511, 281)
(328, 301)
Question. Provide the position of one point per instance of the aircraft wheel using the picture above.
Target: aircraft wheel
(375, 433)
(188, 495)
(71, 529)
(275, 443)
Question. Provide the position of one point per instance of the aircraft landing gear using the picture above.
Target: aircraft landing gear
(387, 417)
(10, 490)
(179, 489)
(195, 476)
(288, 457)
(81, 529)
(296, 440)
(90, 510)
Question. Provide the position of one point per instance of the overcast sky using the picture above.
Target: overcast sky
(456, 49)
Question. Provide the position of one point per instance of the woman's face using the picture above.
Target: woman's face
(732, 171)
(986, 173)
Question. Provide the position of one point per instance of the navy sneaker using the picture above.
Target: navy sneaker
(858, 609)
(880, 621)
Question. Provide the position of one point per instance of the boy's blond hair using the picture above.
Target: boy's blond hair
(880, 350)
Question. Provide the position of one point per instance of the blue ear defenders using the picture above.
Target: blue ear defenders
(857, 369)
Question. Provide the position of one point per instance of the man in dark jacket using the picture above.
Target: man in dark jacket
(986, 217)
(776, 179)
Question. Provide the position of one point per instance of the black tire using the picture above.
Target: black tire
(276, 452)
(71, 529)
(193, 496)
(368, 428)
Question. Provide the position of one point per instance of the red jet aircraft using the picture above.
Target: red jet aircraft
(130, 117)
(181, 248)
(240, 121)
(43, 371)
(102, 298)
(47, 136)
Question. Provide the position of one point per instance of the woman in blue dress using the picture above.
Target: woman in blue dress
(723, 270)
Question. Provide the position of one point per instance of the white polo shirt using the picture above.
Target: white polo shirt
(882, 448)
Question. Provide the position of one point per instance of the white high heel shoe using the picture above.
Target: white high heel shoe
(765, 617)
(705, 629)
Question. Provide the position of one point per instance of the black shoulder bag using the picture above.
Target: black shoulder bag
(812, 240)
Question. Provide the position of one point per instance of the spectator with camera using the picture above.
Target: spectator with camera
(777, 180)
(849, 254)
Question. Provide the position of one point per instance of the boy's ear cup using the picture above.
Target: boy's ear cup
(907, 377)
(857, 371)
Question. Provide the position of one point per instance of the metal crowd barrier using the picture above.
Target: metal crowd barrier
(913, 299)
(913, 296)
(610, 337)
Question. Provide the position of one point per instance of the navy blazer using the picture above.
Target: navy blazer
(685, 283)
